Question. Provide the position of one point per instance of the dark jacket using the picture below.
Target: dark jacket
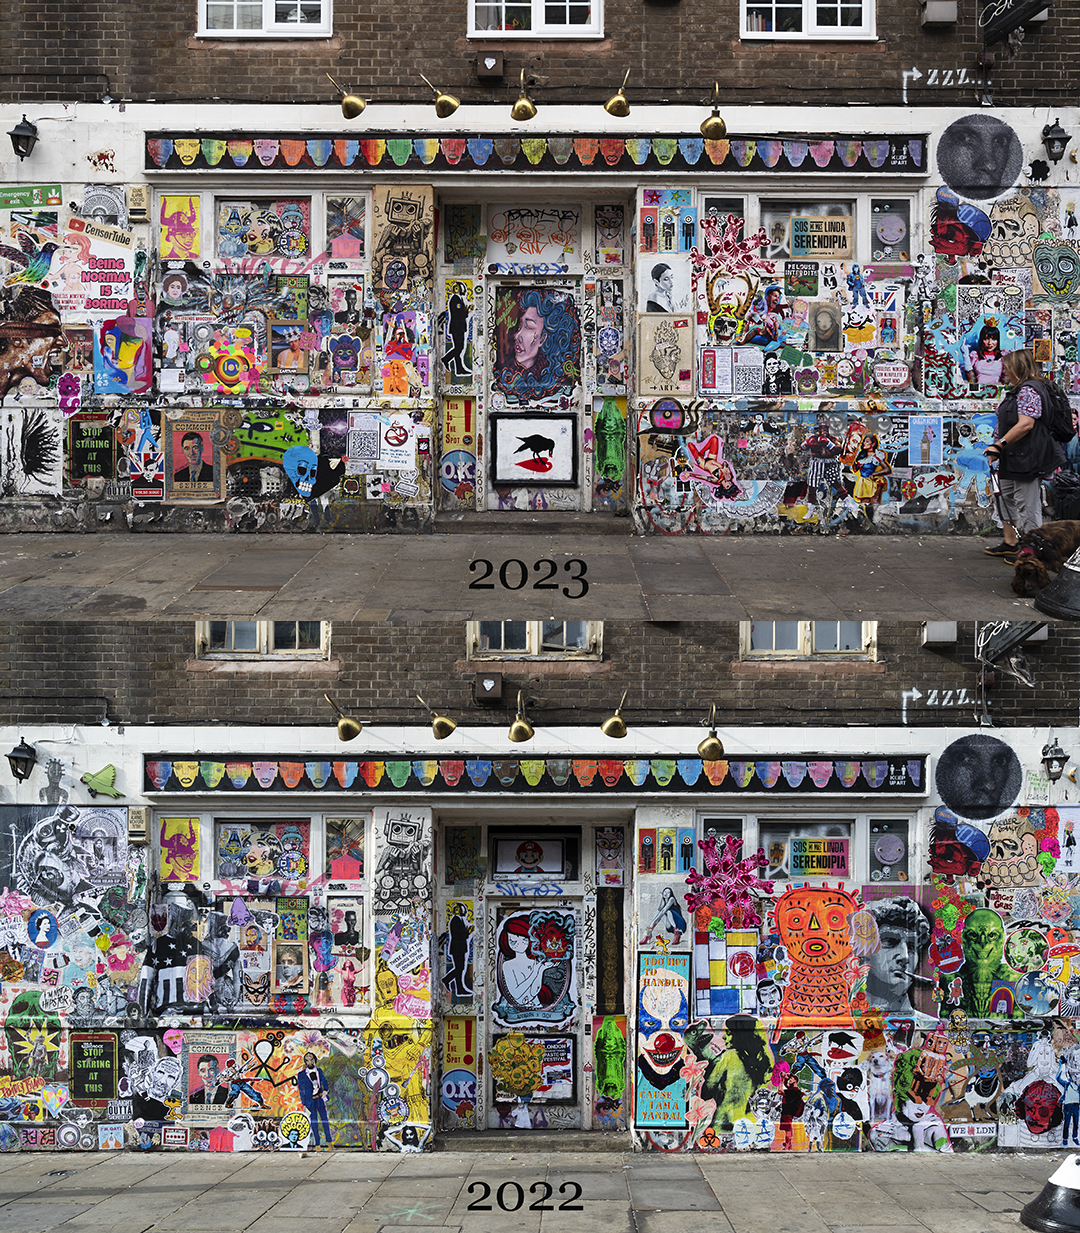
(1035, 455)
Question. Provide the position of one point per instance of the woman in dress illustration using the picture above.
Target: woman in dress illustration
(521, 977)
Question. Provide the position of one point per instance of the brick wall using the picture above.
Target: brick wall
(146, 673)
(674, 51)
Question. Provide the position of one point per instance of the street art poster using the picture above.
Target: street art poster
(457, 321)
(665, 355)
(537, 346)
(458, 1089)
(545, 1062)
(460, 932)
(610, 855)
(194, 467)
(610, 1055)
(180, 226)
(538, 450)
(665, 286)
(463, 232)
(534, 239)
(535, 966)
(345, 922)
(268, 853)
(31, 450)
(263, 227)
(610, 223)
(346, 220)
(179, 849)
(123, 356)
(402, 238)
(457, 466)
(345, 848)
(663, 1015)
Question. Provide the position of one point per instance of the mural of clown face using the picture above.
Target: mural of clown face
(663, 1016)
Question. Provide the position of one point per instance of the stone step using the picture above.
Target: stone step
(531, 522)
(525, 1141)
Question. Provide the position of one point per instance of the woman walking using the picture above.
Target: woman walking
(1024, 452)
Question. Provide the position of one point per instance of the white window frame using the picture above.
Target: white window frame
(806, 649)
(540, 29)
(271, 29)
(594, 647)
(265, 651)
(811, 30)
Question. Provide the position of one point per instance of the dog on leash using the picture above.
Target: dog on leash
(1046, 548)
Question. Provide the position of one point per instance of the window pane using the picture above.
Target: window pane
(774, 636)
(825, 635)
(851, 636)
(518, 17)
(218, 633)
(245, 636)
(308, 635)
(249, 17)
(504, 635)
(220, 17)
(283, 636)
(564, 636)
(515, 635)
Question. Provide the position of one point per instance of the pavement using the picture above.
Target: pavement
(451, 1192)
(57, 576)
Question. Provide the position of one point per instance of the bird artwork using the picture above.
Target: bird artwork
(536, 445)
(32, 261)
(102, 781)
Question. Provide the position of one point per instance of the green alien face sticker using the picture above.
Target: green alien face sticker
(1058, 268)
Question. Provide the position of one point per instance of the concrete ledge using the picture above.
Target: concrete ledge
(805, 667)
(327, 668)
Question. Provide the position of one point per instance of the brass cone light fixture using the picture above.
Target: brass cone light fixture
(441, 725)
(521, 729)
(351, 104)
(347, 728)
(445, 104)
(713, 127)
(523, 109)
(615, 725)
(711, 749)
(619, 104)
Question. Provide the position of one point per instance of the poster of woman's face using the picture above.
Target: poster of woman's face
(824, 333)
(664, 285)
(537, 344)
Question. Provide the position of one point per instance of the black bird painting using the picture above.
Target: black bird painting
(536, 445)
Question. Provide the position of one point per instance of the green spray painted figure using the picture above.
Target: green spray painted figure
(610, 429)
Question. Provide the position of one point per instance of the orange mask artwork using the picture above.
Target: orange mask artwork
(812, 922)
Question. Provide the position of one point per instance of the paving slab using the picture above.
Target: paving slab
(594, 1185)
(993, 1200)
(34, 1217)
(608, 1216)
(682, 1195)
(391, 1209)
(682, 1222)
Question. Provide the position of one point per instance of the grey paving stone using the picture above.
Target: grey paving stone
(601, 1217)
(402, 1210)
(682, 1222)
(684, 1195)
(33, 1217)
(993, 1200)
(595, 1184)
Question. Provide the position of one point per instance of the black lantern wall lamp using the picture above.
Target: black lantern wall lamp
(1054, 759)
(1056, 140)
(23, 138)
(22, 759)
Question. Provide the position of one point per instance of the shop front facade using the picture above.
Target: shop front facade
(307, 323)
(275, 941)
